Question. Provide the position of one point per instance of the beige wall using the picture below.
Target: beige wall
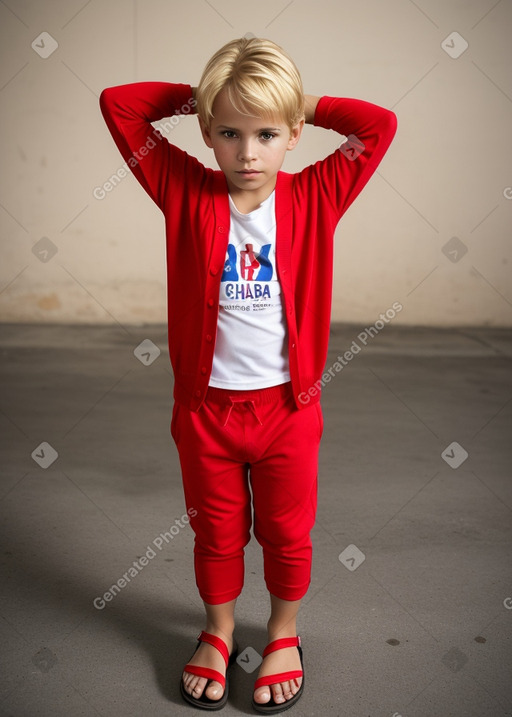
(446, 174)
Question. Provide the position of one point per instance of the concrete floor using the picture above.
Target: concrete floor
(421, 627)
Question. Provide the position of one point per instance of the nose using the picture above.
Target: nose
(246, 152)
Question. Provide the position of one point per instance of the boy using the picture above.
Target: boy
(249, 268)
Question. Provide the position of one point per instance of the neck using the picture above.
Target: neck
(246, 201)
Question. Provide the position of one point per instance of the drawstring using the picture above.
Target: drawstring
(250, 404)
(230, 408)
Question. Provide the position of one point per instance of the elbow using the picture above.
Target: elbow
(391, 123)
(111, 98)
(105, 98)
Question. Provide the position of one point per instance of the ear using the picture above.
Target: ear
(295, 134)
(205, 131)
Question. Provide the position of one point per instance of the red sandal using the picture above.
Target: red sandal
(205, 702)
(272, 707)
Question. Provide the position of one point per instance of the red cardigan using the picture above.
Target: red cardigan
(194, 200)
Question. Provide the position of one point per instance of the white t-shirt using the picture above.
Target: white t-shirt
(251, 349)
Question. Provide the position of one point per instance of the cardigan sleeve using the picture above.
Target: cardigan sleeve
(369, 130)
(128, 111)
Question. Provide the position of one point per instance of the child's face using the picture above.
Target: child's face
(249, 150)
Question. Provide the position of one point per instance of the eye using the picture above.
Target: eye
(267, 136)
(228, 133)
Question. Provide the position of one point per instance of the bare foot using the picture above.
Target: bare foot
(279, 661)
(206, 656)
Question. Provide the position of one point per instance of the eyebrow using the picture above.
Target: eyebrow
(261, 129)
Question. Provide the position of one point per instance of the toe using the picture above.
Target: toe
(262, 695)
(197, 690)
(286, 688)
(194, 685)
(284, 691)
(295, 685)
(277, 693)
(214, 691)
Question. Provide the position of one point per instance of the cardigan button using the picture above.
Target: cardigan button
(203, 370)
(197, 394)
(214, 270)
(221, 230)
(209, 338)
(210, 303)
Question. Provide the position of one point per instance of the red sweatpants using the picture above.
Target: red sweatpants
(243, 441)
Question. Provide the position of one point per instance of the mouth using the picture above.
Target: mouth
(248, 172)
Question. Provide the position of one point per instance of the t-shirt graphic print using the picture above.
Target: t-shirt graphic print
(244, 270)
(251, 346)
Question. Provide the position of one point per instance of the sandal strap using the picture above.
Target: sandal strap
(216, 642)
(206, 672)
(281, 644)
(280, 677)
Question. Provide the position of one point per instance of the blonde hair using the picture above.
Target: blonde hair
(260, 78)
